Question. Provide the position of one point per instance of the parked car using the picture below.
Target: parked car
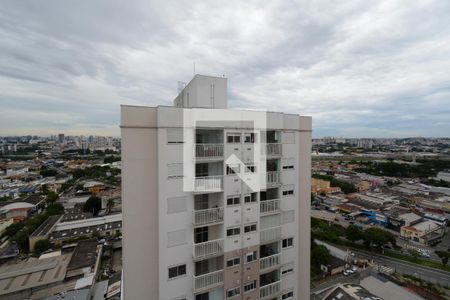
(346, 273)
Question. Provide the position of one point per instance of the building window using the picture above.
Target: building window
(289, 295)
(232, 169)
(286, 243)
(204, 296)
(250, 169)
(288, 192)
(250, 228)
(249, 137)
(287, 269)
(232, 231)
(251, 286)
(249, 198)
(233, 200)
(201, 234)
(233, 137)
(177, 271)
(233, 292)
(288, 163)
(252, 256)
(235, 261)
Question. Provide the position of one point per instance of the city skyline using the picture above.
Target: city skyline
(359, 69)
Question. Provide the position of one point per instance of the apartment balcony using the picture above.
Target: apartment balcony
(270, 235)
(269, 206)
(208, 281)
(208, 184)
(271, 261)
(273, 177)
(273, 149)
(208, 216)
(269, 290)
(208, 249)
(208, 151)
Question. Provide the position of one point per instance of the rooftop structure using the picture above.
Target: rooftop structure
(410, 218)
(350, 292)
(84, 254)
(425, 232)
(22, 278)
(110, 224)
(386, 289)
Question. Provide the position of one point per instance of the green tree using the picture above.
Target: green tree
(320, 255)
(41, 246)
(44, 189)
(12, 229)
(110, 159)
(51, 197)
(54, 209)
(378, 236)
(354, 233)
(21, 238)
(93, 204)
(48, 172)
(444, 256)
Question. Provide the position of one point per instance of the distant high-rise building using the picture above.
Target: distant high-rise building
(61, 138)
(216, 202)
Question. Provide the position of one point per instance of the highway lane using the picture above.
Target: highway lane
(402, 267)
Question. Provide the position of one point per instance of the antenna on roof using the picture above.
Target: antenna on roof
(194, 67)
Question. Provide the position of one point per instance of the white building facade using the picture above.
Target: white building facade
(216, 202)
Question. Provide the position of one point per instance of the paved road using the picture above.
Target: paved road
(402, 267)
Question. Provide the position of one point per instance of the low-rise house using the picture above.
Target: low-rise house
(335, 266)
(425, 232)
(440, 219)
(20, 209)
(21, 280)
(104, 226)
(410, 219)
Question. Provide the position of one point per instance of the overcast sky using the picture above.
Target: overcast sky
(359, 68)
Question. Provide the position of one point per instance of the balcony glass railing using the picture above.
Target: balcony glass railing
(269, 261)
(208, 280)
(208, 150)
(273, 149)
(208, 183)
(273, 177)
(208, 249)
(208, 216)
(269, 290)
(269, 206)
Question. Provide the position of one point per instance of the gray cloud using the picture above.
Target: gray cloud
(359, 68)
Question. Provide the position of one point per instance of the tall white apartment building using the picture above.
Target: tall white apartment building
(216, 201)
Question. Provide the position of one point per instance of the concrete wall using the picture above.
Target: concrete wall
(304, 208)
(140, 202)
(203, 92)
